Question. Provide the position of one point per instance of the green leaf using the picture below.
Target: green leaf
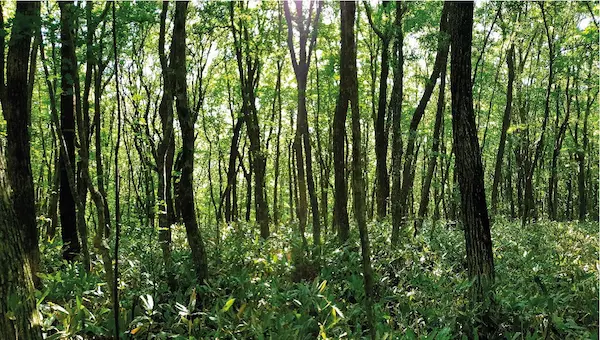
(228, 305)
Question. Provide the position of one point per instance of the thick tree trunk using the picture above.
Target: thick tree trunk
(347, 53)
(17, 275)
(68, 218)
(480, 261)
(17, 113)
(187, 119)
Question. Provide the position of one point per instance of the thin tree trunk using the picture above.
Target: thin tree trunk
(396, 111)
(165, 151)
(249, 72)
(437, 128)
(510, 62)
(340, 206)
(381, 137)
(410, 158)
(348, 10)
(302, 141)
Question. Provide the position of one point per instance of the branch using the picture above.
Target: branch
(313, 38)
(290, 38)
(370, 18)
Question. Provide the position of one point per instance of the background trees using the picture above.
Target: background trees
(224, 125)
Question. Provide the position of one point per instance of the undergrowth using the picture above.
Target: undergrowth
(546, 286)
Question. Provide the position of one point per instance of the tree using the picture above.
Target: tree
(68, 218)
(480, 261)
(396, 111)
(346, 92)
(349, 88)
(301, 63)
(249, 73)
(410, 157)
(381, 135)
(435, 146)
(510, 63)
(187, 119)
(17, 112)
(17, 307)
(165, 150)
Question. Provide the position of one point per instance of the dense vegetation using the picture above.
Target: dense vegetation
(294, 170)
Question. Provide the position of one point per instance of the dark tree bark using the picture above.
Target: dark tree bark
(68, 218)
(510, 62)
(582, 146)
(558, 140)
(16, 283)
(115, 294)
(347, 58)
(349, 92)
(381, 136)
(301, 64)
(531, 165)
(468, 166)
(165, 150)
(249, 72)
(410, 154)
(396, 112)
(187, 119)
(437, 128)
(17, 113)
(229, 194)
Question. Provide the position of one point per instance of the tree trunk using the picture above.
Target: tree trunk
(165, 152)
(381, 138)
(302, 141)
(68, 218)
(277, 148)
(510, 62)
(249, 72)
(348, 58)
(437, 128)
(19, 320)
(410, 158)
(558, 140)
(17, 113)
(187, 119)
(347, 53)
(480, 261)
(396, 111)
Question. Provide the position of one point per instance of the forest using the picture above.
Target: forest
(299, 169)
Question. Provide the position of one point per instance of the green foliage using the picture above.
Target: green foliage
(546, 285)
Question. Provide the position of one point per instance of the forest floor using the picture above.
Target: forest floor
(546, 286)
